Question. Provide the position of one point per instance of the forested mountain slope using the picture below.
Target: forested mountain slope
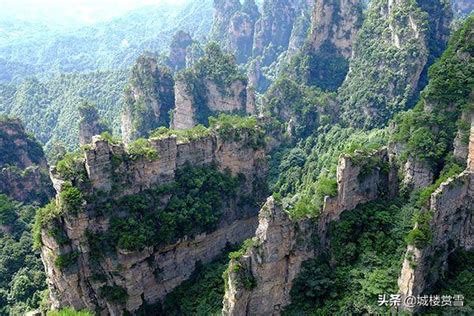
(107, 45)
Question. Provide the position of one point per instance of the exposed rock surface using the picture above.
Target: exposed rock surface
(281, 245)
(274, 260)
(232, 98)
(418, 174)
(147, 276)
(23, 167)
(148, 100)
(179, 50)
(451, 226)
(89, 124)
(393, 48)
(336, 23)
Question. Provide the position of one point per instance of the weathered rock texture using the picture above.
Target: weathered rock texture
(190, 110)
(147, 276)
(23, 168)
(393, 49)
(281, 245)
(179, 50)
(452, 227)
(336, 23)
(149, 98)
(89, 124)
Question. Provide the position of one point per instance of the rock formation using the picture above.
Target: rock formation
(23, 168)
(396, 37)
(335, 23)
(89, 124)
(179, 50)
(450, 226)
(125, 280)
(214, 85)
(259, 282)
(148, 100)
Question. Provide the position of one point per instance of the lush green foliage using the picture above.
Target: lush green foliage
(22, 278)
(201, 294)
(458, 280)
(430, 128)
(366, 252)
(49, 109)
(149, 87)
(326, 69)
(68, 312)
(114, 294)
(195, 205)
(214, 65)
(307, 106)
(66, 260)
(233, 127)
(109, 45)
(142, 148)
(307, 172)
(185, 135)
(380, 81)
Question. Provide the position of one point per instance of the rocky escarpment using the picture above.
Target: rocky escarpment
(336, 24)
(89, 124)
(23, 167)
(234, 27)
(149, 97)
(179, 50)
(396, 37)
(445, 226)
(89, 268)
(213, 85)
(259, 282)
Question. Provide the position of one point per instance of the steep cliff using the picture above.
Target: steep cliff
(444, 222)
(213, 85)
(179, 50)
(149, 97)
(324, 58)
(24, 185)
(260, 278)
(23, 167)
(442, 228)
(130, 223)
(392, 51)
(89, 123)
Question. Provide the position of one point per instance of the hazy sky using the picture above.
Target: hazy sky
(72, 11)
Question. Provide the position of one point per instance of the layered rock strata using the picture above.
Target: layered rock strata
(146, 276)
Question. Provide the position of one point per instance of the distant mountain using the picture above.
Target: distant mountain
(107, 45)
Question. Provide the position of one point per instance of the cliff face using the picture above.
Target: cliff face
(394, 39)
(111, 277)
(149, 97)
(213, 85)
(336, 23)
(89, 124)
(179, 50)
(450, 226)
(260, 281)
(23, 167)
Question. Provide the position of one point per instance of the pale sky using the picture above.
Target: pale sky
(75, 11)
